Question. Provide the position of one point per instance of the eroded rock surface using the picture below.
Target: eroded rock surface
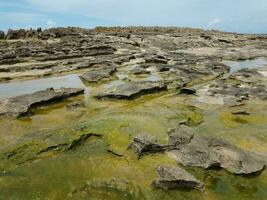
(207, 152)
(20, 105)
(176, 178)
(240, 86)
(133, 90)
(96, 75)
(194, 150)
(145, 144)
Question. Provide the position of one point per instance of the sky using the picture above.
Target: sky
(243, 16)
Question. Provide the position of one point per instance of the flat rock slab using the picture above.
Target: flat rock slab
(208, 152)
(176, 178)
(133, 90)
(97, 75)
(20, 105)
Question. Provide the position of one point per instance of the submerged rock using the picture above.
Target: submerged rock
(176, 178)
(20, 105)
(133, 90)
(144, 144)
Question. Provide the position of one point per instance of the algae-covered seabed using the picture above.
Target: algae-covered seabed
(100, 166)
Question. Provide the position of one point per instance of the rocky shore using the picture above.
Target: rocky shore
(152, 110)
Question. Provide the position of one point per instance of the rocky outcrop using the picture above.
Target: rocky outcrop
(176, 178)
(21, 105)
(133, 90)
(207, 152)
(194, 150)
(239, 87)
(145, 144)
(97, 75)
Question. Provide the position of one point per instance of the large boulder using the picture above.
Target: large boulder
(133, 90)
(20, 105)
(176, 178)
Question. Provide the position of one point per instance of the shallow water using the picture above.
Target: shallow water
(237, 65)
(12, 89)
(93, 172)
(90, 171)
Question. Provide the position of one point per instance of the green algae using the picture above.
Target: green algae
(42, 165)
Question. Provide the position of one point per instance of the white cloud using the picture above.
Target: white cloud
(50, 24)
(214, 22)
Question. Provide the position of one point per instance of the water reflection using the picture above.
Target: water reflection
(237, 65)
(12, 89)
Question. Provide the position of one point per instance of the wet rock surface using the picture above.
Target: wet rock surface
(193, 150)
(176, 178)
(20, 105)
(240, 86)
(145, 144)
(219, 105)
(96, 75)
(133, 90)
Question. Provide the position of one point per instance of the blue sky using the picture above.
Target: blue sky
(245, 16)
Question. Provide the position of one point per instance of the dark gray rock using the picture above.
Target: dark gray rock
(241, 112)
(2, 35)
(176, 178)
(189, 91)
(145, 144)
(163, 68)
(20, 105)
(133, 90)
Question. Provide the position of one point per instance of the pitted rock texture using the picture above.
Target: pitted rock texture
(192, 150)
(176, 178)
(133, 90)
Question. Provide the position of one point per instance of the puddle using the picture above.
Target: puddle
(237, 65)
(13, 89)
